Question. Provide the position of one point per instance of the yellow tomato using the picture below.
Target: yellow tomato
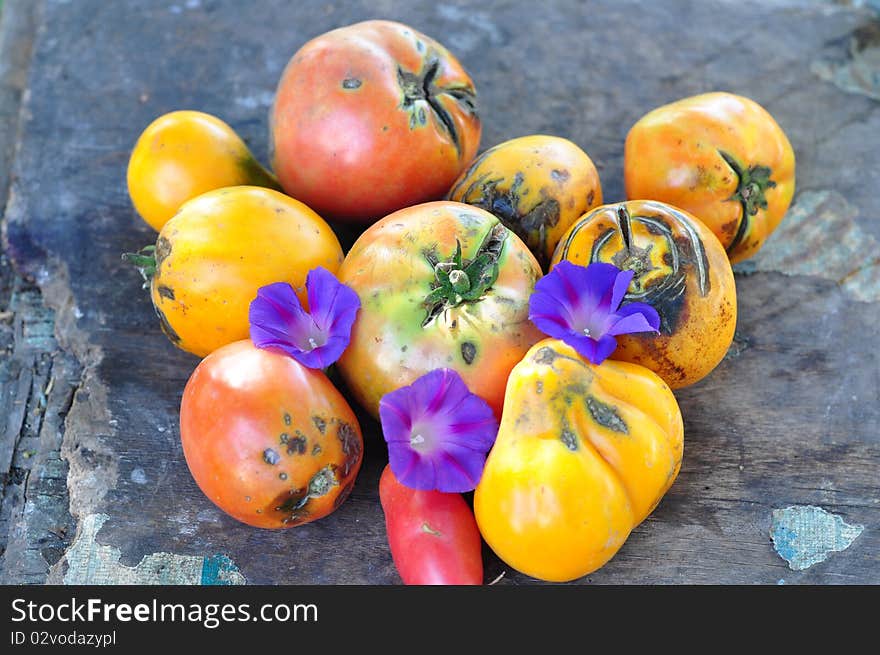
(584, 453)
(537, 185)
(183, 154)
(220, 248)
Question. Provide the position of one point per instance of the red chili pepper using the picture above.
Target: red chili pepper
(433, 535)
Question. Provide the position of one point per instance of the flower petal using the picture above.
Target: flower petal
(604, 347)
(584, 345)
(459, 428)
(635, 317)
(276, 317)
(333, 305)
(621, 284)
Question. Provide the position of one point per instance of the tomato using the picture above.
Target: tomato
(371, 118)
(537, 185)
(270, 442)
(433, 536)
(412, 320)
(680, 269)
(720, 157)
(183, 154)
(584, 453)
(220, 248)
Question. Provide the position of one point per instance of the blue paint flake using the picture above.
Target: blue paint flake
(805, 535)
(216, 570)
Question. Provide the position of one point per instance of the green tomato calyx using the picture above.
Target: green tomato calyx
(751, 190)
(458, 281)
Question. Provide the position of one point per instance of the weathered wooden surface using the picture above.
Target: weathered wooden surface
(89, 387)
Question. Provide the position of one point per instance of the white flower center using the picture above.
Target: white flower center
(313, 343)
(416, 439)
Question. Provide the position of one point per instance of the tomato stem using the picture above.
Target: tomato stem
(145, 262)
(753, 183)
(458, 281)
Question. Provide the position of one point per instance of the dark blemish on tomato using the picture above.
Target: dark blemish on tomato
(163, 250)
(559, 175)
(286, 418)
(403, 349)
(342, 495)
(165, 292)
(296, 445)
(316, 450)
(422, 116)
(730, 227)
(351, 446)
(271, 456)
(454, 325)
(320, 423)
(292, 500)
(323, 481)
(247, 499)
(606, 415)
(468, 352)
(420, 46)
(165, 326)
(568, 438)
(282, 476)
(591, 197)
(351, 83)
(384, 128)
(545, 356)
(284, 437)
(667, 258)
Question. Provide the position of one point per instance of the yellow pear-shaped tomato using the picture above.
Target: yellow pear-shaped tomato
(183, 154)
(720, 157)
(584, 453)
(680, 269)
(537, 185)
(220, 248)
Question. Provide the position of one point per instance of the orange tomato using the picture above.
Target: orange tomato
(220, 248)
(413, 319)
(270, 442)
(371, 118)
(584, 453)
(679, 268)
(722, 158)
(183, 154)
(537, 185)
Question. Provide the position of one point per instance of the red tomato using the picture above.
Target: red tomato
(271, 442)
(371, 118)
(433, 536)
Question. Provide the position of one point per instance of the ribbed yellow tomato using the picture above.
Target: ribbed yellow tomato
(183, 154)
(584, 453)
(537, 185)
(680, 269)
(222, 246)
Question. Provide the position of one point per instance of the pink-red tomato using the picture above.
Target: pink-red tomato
(271, 442)
(371, 118)
(433, 536)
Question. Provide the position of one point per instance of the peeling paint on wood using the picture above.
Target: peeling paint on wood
(821, 236)
(89, 562)
(805, 535)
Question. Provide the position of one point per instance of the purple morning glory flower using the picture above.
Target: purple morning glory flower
(438, 433)
(581, 306)
(315, 339)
